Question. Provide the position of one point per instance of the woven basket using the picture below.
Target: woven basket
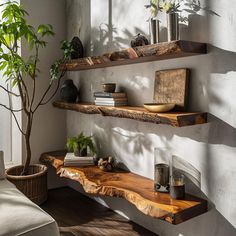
(33, 185)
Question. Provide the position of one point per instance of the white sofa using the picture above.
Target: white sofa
(20, 216)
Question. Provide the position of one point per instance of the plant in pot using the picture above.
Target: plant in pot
(21, 76)
(80, 144)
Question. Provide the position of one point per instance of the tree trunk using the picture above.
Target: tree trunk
(27, 144)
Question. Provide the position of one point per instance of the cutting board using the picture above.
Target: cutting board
(171, 86)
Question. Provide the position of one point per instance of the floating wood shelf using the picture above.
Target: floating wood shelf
(154, 52)
(177, 119)
(134, 188)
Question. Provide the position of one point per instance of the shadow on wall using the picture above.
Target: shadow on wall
(103, 41)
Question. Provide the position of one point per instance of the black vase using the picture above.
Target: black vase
(78, 49)
(68, 92)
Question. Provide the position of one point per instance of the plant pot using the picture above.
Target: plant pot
(154, 30)
(173, 26)
(82, 153)
(34, 185)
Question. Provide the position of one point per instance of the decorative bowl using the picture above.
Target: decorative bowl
(159, 107)
(109, 87)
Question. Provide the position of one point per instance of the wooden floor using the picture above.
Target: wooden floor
(78, 215)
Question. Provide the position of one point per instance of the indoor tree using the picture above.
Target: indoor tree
(21, 73)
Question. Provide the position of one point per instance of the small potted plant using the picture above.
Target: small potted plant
(80, 144)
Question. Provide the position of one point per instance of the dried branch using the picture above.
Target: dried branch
(33, 77)
(41, 102)
(14, 115)
(9, 92)
(10, 109)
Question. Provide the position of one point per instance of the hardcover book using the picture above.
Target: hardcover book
(109, 95)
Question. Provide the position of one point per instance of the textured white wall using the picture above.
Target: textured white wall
(48, 133)
(210, 148)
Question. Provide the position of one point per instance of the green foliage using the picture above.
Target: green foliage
(154, 7)
(171, 6)
(14, 28)
(81, 142)
(175, 6)
(55, 71)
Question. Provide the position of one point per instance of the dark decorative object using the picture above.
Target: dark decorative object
(106, 164)
(154, 30)
(139, 40)
(68, 92)
(161, 169)
(173, 26)
(78, 49)
(109, 87)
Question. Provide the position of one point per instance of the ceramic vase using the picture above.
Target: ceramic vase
(68, 92)
(172, 26)
(154, 30)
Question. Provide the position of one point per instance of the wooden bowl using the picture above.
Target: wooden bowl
(159, 107)
(109, 87)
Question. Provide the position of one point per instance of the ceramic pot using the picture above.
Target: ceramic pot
(109, 87)
(68, 92)
(80, 153)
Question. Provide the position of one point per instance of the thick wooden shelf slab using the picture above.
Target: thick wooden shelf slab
(134, 188)
(177, 119)
(154, 52)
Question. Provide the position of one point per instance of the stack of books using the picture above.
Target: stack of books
(110, 99)
(72, 160)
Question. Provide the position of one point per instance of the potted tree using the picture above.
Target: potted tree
(22, 74)
(80, 144)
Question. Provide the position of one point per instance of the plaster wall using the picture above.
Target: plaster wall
(48, 133)
(105, 25)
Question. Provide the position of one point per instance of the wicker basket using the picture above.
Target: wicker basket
(34, 185)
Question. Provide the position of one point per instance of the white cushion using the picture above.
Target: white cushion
(20, 216)
(2, 166)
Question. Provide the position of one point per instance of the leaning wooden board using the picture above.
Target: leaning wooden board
(136, 189)
(171, 86)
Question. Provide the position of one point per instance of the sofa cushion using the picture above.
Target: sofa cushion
(20, 216)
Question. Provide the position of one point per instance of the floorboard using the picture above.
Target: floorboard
(78, 215)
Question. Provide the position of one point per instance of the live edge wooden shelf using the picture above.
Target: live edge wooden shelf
(134, 188)
(177, 119)
(154, 52)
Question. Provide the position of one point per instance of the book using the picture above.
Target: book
(100, 99)
(111, 104)
(72, 160)
(109, 95)
(111, 101)
(78, 164)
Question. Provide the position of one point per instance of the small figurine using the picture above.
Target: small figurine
(139, 40)
(106, 164)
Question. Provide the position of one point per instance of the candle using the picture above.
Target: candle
(177, 187)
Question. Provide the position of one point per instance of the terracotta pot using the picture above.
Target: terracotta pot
(34, 185)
